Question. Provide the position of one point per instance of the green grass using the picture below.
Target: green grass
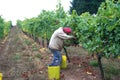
(16, 57)
(27, 42)
(94, 63)
(35, 49)
(38, 55)
(110, 71)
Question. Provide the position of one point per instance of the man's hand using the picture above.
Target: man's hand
(74, 38)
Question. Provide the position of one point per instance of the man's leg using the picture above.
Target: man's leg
(57, 58)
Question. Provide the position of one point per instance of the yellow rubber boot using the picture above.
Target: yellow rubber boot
(64, 62)
(1, 76)
(54, 72)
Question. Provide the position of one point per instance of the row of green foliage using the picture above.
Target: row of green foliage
(43, 25)
(4, 27)
(99, 33)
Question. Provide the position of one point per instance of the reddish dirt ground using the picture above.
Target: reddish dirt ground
(23, 59)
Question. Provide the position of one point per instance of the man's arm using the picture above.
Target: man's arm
(65, 36)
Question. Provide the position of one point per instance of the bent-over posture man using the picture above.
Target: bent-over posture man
(57, 43)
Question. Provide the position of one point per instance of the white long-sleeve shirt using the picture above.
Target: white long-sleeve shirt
(57, 39)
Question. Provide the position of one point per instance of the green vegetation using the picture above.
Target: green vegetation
(27, 42)
(94, 63)
(4, 27)
(111, 71)
(17, 56)
(38, 55)
(1, 28)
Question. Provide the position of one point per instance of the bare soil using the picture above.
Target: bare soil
(23, 59)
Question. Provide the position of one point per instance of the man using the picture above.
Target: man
(57, 42)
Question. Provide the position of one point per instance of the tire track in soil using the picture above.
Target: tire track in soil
(18, 61)
(5, 63)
